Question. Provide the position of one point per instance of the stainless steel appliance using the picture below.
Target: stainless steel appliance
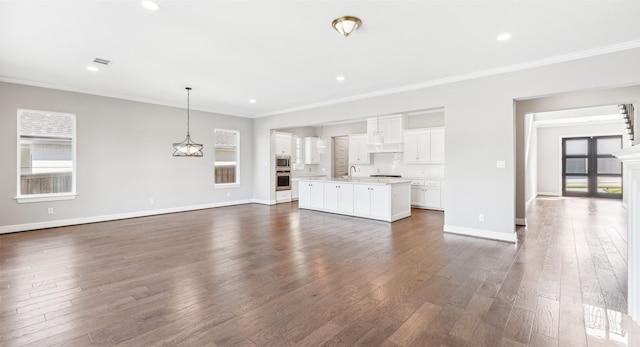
(283, 162)
(283, 180)
(283, 172)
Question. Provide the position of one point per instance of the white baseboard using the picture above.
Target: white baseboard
(521, 221)
(485, 234)
(264, 202)
(94, 219)
(549, 193)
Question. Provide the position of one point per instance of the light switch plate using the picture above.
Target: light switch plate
(501, 164)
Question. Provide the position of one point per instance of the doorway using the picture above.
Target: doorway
(589, 169)
(340, 156)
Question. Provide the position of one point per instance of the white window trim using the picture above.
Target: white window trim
(237, 183)
(54, 196)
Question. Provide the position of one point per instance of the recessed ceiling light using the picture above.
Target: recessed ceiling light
(92, 68)
(340, 78)
(150, 5)
(253, 101)
(503, 37)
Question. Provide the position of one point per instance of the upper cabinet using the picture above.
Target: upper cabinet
(391, 129)
(358, 152)
(283, 143)
(311, 152)
(424, 146)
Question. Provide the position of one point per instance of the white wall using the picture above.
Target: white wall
(550, 151)
(123, 158)
(480, 129)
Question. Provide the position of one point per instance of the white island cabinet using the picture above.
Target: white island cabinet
(381, 199)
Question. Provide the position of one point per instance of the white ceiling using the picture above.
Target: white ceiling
(285, 54)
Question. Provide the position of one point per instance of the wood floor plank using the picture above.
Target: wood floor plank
(547, 317)
(256, 275)
(415, 325)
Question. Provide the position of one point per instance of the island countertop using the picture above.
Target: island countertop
(365, 180)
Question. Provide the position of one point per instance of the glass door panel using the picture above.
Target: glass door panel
(590, 169)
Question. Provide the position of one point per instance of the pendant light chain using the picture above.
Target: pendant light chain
(188, 108)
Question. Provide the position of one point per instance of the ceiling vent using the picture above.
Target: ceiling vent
(101, 61)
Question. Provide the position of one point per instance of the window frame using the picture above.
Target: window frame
(237, 169)
(20, 198)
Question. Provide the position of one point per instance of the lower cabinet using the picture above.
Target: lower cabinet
(372, 200)
(311, 195)
(388, 202)
(427, 194)
(338, 197)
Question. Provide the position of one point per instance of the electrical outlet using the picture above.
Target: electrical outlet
(481, 217)
(228, 194)
(151, 201)
(50, 210)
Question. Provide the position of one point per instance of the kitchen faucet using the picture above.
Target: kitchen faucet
(354, 170)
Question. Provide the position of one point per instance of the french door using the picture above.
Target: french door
(589, 169)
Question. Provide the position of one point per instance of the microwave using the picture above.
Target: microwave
(283, 162)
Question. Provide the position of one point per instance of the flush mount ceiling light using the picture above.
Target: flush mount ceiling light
(150, 5)
(346, 25)
(503, 37)
(187, 148)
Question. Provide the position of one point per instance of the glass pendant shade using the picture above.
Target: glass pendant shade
(378, 138)
(346, 25)
(187, 148)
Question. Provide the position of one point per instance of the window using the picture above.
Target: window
(226, 157)
(46, 156)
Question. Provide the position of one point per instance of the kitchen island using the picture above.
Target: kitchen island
(387, 199)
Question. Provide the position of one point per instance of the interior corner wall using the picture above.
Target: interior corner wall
(480, 129)
(124, 159)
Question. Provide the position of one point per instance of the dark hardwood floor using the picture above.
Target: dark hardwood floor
(255, 275)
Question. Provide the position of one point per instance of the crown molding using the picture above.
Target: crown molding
(484, 73)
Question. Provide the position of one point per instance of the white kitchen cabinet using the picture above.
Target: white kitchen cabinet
(426, 194)
(371, 201)
(283, 143)
(311, 152)
(388, 200)
(390, 126)
(424, 146)
(311, 195)
(283, 196)
(358, 153)
(338, 197)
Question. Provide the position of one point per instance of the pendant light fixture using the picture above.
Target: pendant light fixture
(378, 135)
(187, 148)
(346, 25)
(321, 144)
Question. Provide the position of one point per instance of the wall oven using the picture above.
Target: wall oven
(283, 172)
(283, 180)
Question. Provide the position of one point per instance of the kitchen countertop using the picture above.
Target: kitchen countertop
(299, 177)
(367, 180)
